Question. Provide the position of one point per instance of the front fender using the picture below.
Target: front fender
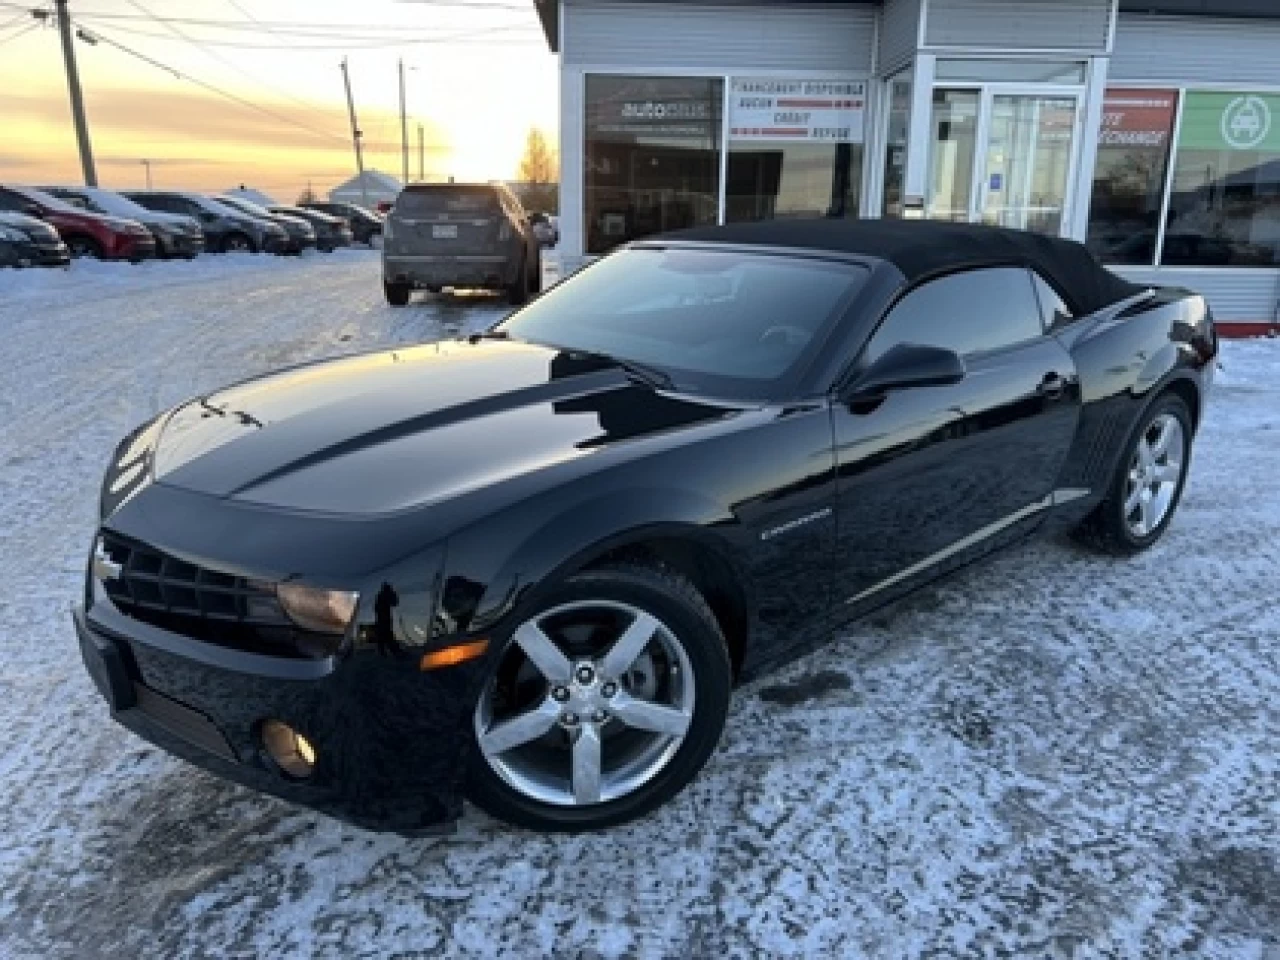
(548, 541)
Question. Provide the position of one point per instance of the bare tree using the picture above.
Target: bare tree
(306, 196)
(539, 173)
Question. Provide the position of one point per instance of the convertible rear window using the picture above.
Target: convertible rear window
(715, 320)
(447, 199)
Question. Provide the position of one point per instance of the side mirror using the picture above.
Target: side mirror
(908, 365)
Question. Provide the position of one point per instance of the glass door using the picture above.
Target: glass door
(1003, 156)
(1027, 165)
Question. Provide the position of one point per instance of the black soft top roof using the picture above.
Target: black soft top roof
(922, 248)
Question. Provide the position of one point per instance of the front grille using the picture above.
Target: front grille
(204, 604)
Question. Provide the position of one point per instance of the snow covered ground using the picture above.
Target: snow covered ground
(1050, 755)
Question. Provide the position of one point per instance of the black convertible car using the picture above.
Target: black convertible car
(529, 566)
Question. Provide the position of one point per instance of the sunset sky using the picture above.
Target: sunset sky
(481, 77)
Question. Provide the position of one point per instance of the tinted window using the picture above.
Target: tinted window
(1053, 312)
(721, 322)
(448, 200)
(11, 201)
(965, 312)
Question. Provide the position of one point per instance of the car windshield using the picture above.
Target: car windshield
(114, 204)
(721, 322)
(47, 200)
(433, 201)
(222, 208)
(245, 206)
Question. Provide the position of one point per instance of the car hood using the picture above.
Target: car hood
(384, 432)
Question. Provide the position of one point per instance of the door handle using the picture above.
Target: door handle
(1052, 387)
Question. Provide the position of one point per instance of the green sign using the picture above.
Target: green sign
(1230, 121)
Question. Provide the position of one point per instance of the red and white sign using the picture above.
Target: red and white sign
(1137, 118)
(829, 111)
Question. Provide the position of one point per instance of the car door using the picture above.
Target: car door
(930, 476)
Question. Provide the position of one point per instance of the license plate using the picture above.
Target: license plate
(445, 231)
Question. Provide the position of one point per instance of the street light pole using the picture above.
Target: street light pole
(355, 135)
(422, 161)
(77, 99)
(147, 164)
(404, 130)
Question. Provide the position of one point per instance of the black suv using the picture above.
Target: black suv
(473, 235)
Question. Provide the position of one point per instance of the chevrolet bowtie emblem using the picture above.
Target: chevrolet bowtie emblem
(104, 568)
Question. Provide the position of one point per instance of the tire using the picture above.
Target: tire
(236, 242)
(683, 667)
(1115, 526)
(81, 246)
(518, 292)
(397, 293)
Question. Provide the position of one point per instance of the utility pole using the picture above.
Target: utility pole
(147, 164)
(404, 130)
(77, 100)
(355, 134)
(422, 157)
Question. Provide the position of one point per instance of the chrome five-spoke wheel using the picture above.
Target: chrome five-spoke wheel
(606, 699)
(596, 700)
(1154, 474)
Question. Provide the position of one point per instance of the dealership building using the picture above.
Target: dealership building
(1149, 129)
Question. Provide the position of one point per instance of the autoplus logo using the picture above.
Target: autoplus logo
(1246, 121)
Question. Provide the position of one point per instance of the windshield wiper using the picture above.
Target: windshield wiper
(650, 376)
(488, 335)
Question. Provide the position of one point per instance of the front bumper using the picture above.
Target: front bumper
(135, 248)
(180, 245)
(389, 748)
(444, 271)
(45, 254)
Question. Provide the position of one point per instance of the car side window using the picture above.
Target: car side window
(967, 312)
(1053, 311)
(11, 201)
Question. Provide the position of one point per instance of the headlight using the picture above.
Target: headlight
(13, 236)
(314, 608)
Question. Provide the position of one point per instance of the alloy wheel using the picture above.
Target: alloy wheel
(1154, 474)
(590, 703)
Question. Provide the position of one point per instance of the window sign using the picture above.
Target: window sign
(825, 111)
(1231, 121)
(1129, 174)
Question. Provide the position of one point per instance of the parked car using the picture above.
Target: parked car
(226, 230)
(331, 232)
(458, 235)
(535, 561)
(86, 234)
(364, 225)
(299, 234)
(175, 235)
(31, 242)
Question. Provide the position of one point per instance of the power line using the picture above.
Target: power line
(478, 35)
(291, 25)
(21, 33)
(248, 104)
(223, 60)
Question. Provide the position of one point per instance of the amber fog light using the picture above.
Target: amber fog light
(291, 751)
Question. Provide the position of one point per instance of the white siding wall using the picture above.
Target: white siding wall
(1199, 49)
(1249, 295)
(1012, 25)
(726, 36)
(899, 30)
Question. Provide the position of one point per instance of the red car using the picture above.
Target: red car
(86, 234)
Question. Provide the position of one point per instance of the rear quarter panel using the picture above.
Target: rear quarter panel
(1126, 356)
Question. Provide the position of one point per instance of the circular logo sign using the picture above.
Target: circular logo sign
(1246, 121)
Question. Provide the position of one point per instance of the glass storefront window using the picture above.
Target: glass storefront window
(1224, 208)
(768, 181)
(895, 146)
(652, 159)
(795, 148)
(1129, 174)
(954, 125)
